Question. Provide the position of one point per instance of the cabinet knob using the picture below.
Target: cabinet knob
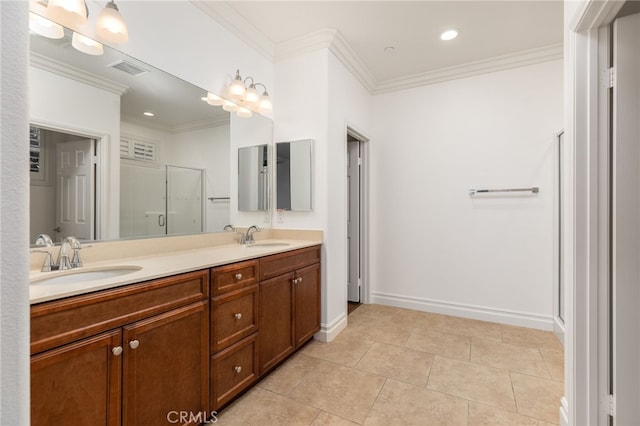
(238, 276)
(237, 368)
(134, 344)
(238, 315)
(117, 350)
(295, 281)
(300, 279)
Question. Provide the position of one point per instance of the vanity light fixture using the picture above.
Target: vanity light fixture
(229, 106)
(244, 112)
(213, 99)
(449, 35)
(246, 93)
(44, 27)
(67, 12)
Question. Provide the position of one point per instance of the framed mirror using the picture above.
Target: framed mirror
(294, 162)
(253, 178)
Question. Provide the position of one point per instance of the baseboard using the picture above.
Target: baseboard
(521, 319)
(328, 332)
(564, 412)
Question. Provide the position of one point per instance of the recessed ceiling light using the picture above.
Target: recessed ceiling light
(148, 114)
(389, 49)
(449, 35)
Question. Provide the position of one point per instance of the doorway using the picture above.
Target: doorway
(357, 225)
(63, 182)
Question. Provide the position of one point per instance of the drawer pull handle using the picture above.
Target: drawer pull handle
(238, 276)
(117, 350)
(237, 368)
(134, 344)
(238, 315)
(295, 281)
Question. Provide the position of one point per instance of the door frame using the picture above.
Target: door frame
(586, 197)
(364, 141)
(102, 150)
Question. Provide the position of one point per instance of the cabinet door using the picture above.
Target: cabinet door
(275, 339)
(78, 383)
(166, 367)
(307, 303)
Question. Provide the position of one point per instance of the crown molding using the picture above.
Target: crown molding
(235, 23)
(191, 126)
(494, 64)
(56, 67)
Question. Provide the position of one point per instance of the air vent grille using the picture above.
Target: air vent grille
(129, 68)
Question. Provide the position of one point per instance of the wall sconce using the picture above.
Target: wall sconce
(110, 25)
(248, 97)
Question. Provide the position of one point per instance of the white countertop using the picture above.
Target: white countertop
(156, 266)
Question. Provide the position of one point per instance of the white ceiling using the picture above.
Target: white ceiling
(487, 29)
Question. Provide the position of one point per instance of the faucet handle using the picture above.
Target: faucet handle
(48, 260)
(76, 262)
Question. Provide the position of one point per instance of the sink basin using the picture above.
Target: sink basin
(80, 275)
(269, 244)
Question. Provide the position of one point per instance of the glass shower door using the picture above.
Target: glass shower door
(184, 200)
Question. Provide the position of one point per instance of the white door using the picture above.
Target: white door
(353, 221)
(74, 189)
(626, 221)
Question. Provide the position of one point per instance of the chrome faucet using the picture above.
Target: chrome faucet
(229, 228)
(44, 240)
(64, 260)
(248, 238)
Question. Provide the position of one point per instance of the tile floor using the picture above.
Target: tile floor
(394, 366)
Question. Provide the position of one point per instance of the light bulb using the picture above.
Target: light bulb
(111, 26)
(44, 27)
(251, 96)
(449, 35)
(236, 88)
(265, 102)
(86, 45)
(69, 13)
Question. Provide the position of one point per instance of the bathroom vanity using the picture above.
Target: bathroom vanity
(138, 352)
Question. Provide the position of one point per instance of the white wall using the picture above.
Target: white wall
(83, 110)
(14, 215)
(433, 246)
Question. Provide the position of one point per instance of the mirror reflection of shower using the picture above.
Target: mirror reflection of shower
(161, 200)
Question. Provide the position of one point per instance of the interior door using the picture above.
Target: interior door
(353, 221)
(626, 221)
(74, 189)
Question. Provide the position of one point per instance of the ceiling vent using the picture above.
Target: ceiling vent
(129, 68)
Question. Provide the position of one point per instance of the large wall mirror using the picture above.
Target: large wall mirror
(253, 178)
(120, 149)
(293, 175)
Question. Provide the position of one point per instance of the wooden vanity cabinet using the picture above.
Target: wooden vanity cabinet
(234, 330)
(289, 304)
(128, 355)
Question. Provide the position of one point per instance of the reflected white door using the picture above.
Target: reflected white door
(626, 221)
(74, 189)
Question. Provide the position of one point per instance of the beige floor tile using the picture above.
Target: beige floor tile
(375, 311)
(403, 404)
(536, 397)
(439, 343)
(261, 407)
(383, 330)
(555, 364)
(342, 391)
(289, 374)
(487, 385)
(418, 319)
(484, 415)
(345, 349)
(327, 419)
(508, 357)
(473, 328)
(529, 337)
(394, 362)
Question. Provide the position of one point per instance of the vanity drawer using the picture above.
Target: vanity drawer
(233, 317)
(233, 370)
(233, 277)
(66, 320)
(278, 264)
